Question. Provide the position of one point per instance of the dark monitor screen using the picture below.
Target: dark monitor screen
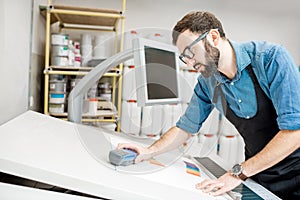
(157, 72)
(160, 73)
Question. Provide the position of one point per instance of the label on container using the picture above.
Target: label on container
(59, 39)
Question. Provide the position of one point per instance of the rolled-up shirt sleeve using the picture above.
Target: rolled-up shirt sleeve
(284, 83)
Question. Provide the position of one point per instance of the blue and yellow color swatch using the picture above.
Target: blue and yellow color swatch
(191, 168)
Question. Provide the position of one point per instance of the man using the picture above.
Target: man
(256, 86)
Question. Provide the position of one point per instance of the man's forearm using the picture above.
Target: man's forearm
(169, 141)
(282, 145)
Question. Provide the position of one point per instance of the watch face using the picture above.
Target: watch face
(237, 169)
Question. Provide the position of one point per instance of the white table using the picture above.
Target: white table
(52, 151)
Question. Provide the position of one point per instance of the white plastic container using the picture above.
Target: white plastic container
(57, 97)
(130, 118)
(106, 96)
(56, 77)
(211, 124)
(60, 50)
(59, 61)
(103, 46)
(128, 37)
(86, 50)
(86, 39)
(56, 108)
(184, 87)
(228, 148)
(93, 106)
(208, 144)
(57, 86)
(188, 80)
(240, 149)
(86, 54)
(152, 123)
(227, 128)
(171, 114)
(59, 39)
(129, 84)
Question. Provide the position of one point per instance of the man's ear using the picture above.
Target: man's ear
(214, 36)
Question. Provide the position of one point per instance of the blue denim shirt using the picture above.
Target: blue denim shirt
(276, 73)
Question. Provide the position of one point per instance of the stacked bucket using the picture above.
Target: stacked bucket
(59, 49)
(57, 94)
(86, 48)
(96, 48)
(64, 52)
(58, 83)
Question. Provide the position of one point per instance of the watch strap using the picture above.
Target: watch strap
(242, 176)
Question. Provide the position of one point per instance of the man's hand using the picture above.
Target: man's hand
(143, 153)
(217, 187)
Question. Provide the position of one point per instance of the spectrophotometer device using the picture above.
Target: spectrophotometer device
(122, 157)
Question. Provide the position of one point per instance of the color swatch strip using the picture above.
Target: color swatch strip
(192, 169)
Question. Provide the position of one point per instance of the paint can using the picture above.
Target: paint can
(57, 86)
(56, 108)
(93, 106)
(59, 50)
(129, 84)
(55, 97)
(56, 77)
(152, 120)
(86, 39)
(228, 148)
(86, 53)
(59, 39)
(128, 37)
(59, 61)
(131, 118)
(171, 114)
(105, 97)
(103, 46)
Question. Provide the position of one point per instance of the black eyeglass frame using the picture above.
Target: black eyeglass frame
(182, 56)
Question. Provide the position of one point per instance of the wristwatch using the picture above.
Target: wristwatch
(237, 171)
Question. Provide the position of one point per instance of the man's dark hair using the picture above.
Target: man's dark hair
(197, 22)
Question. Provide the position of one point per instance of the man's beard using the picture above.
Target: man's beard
(212, 57)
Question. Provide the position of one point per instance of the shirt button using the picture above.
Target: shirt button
(240, 101)
(232, 83)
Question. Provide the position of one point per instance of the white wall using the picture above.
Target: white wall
(274, 21)
(15, 23)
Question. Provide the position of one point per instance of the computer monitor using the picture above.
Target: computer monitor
(157, 72)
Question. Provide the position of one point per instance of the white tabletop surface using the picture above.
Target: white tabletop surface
(52, 151)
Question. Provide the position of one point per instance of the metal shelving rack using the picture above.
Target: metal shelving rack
(87, 19)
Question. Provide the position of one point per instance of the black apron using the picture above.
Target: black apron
(283, 179)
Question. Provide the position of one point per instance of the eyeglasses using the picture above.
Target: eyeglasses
(187, 52)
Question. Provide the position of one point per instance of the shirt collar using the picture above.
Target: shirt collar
(242, 61)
